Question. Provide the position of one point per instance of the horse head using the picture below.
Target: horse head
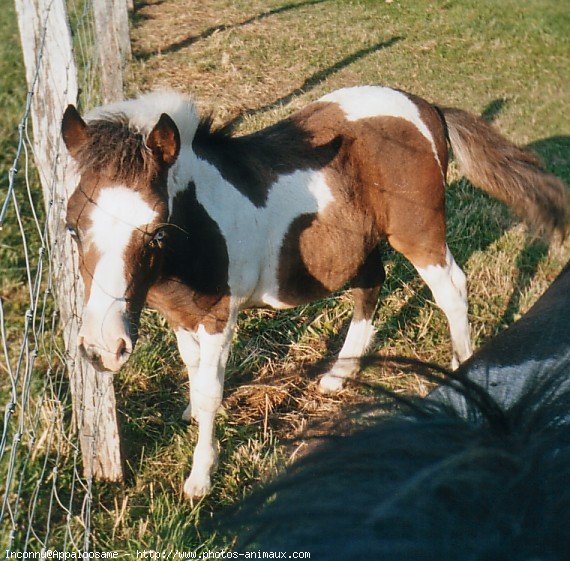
(117, 216)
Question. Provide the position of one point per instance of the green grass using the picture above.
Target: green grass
(12, 101)
(506, 60)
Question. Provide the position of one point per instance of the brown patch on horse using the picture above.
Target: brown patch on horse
(322, 252)
(252, 163)
(402, 184)
(78, 217)
(297, 282)
(184, 308)
(78, 214)
(386, 183)
(88, 260)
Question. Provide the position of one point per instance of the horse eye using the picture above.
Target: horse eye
(158, 239)
(72, 231)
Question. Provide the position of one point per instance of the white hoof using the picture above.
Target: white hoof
(334, 379)
(454, 363)
(187, 415)
(197, 486)
(331, 383)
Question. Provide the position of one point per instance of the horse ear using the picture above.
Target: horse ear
(73, 130)
(164, 140)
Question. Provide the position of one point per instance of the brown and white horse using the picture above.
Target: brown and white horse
(200, 224)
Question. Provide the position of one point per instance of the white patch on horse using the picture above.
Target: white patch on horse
(291, 196)
(118, 212)
(110, 233)
(363, 102)
(254, 235)
(144, 112)
(449, 288)
(189, 348)
(358, 339)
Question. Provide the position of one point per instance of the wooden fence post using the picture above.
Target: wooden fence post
(52, 78)
(114, 45)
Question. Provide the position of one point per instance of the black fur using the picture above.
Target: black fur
(252, 163)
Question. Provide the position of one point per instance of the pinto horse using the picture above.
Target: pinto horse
(200, 224)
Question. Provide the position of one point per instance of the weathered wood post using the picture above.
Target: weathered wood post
(52, 80)
(113, 43)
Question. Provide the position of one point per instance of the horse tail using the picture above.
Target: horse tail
(511, 174)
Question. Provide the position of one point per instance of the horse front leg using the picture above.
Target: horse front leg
(206, 391)
(189, 349)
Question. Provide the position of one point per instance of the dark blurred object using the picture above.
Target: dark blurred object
(473, 472)
(529, 351)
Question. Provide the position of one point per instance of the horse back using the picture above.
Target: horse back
(322, 187)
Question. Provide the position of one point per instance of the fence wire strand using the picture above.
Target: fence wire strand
(45, 500)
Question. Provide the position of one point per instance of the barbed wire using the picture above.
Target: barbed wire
(45, 499)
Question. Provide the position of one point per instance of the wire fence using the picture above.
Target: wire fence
(45, 496)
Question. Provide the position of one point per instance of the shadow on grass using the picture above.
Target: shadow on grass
(527, 264)
(187, 41)
(493, 109)
(555, 155)
(317, 78)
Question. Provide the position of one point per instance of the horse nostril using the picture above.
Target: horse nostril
(87, 351)
(90, 353)
(81, 345)
(123, 348)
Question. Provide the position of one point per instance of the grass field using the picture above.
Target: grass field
(254, 62)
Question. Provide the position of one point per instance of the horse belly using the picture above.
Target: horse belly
(315, 239)
(320, 254)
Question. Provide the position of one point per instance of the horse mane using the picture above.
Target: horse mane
(117, 133)
(116, 149)
(209, 132)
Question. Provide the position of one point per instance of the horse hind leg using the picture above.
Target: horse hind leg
(365, 291)
(448, 285)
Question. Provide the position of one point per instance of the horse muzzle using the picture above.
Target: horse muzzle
(106, 342)
(106, 358)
